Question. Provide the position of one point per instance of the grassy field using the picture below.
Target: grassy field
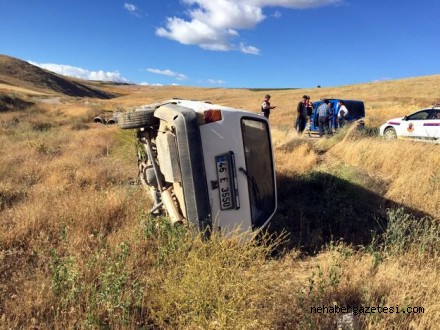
(358, 222)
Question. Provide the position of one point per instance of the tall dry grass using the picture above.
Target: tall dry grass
(54, 180)
(409, 169)
(77, 249)
(383, 100)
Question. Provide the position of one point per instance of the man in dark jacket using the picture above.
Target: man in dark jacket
(301, 115)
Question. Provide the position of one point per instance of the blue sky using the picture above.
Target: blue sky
(226, 43)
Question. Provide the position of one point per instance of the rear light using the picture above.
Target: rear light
(212, 115)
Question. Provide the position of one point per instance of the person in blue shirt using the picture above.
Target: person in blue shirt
(323, 117)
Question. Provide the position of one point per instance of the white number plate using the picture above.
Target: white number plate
(226, 185)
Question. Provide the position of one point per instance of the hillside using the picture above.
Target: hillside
(383, 99)
(21, 74)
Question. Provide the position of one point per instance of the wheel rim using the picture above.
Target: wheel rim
(390, 134)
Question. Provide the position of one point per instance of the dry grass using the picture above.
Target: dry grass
(409, 168)
(383, 100)
(4, 88)
(78, 251)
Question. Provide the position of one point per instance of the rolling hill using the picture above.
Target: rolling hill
(18, 73)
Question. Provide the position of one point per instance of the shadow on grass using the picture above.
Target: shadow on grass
(319, 207)
(8, 103)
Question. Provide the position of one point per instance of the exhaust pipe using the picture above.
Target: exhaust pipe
(170, 206)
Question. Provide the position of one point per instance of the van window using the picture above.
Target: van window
(355, 109)
(259, 169)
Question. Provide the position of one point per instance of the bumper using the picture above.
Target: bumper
(191, 159)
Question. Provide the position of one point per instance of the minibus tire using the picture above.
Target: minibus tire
(137, 119)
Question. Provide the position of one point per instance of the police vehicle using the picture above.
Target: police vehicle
(422, 124)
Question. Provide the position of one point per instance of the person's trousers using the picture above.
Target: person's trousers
(323, 125)
(300, 124)
(341, 122)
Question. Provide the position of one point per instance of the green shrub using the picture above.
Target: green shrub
(405, 232)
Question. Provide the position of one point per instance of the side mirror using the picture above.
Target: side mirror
(405, 118)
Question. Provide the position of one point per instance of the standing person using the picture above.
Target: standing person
(309, 111)
(309, 106)
(331, 117)
(266, 107)
(301, 115)
(342, 113)
(323, 117)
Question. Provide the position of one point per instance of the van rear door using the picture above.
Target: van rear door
(356, 110)
(240, 171)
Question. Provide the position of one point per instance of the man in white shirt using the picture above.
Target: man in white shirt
(342, 113)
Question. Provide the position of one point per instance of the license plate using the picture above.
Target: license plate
(226, 181)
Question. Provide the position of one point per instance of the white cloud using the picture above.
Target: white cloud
(144, 83)
(295, 4)
(249, 49)
(277, 14)
(72, 71)
(169, 73)
(216, 81)
(213, 24)
(132, 9)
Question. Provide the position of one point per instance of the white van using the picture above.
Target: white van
(208, 166)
